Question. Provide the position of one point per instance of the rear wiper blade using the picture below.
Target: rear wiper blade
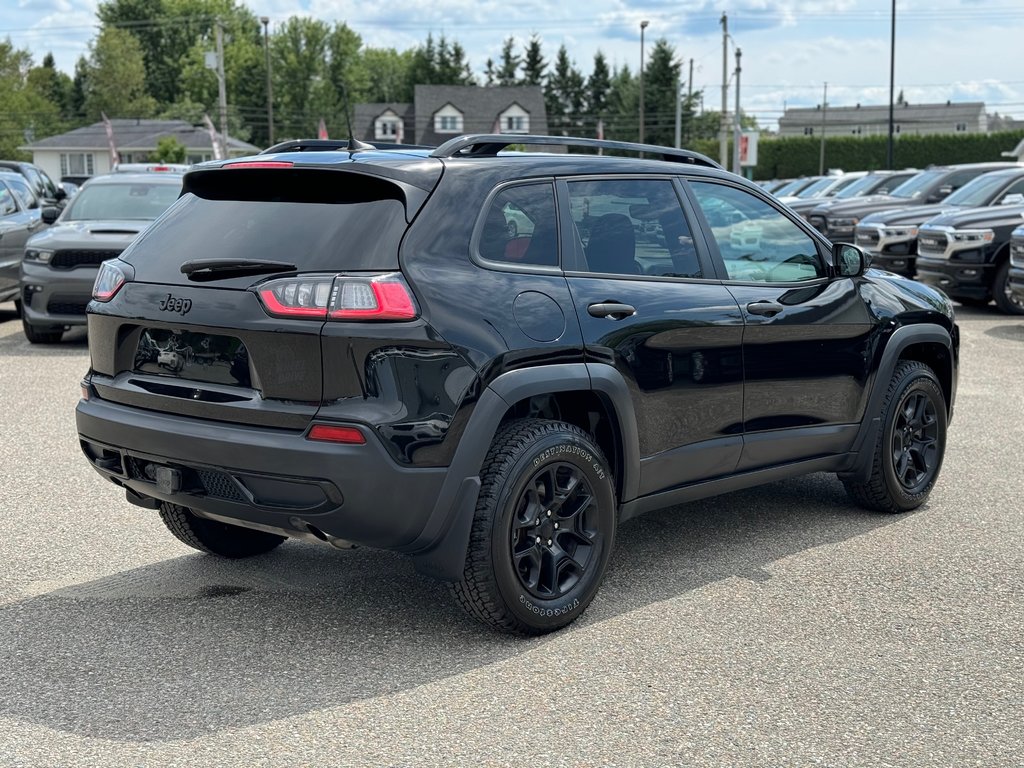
(215, 269)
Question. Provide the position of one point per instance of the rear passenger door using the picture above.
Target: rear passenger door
(807, 341)
(640, 284)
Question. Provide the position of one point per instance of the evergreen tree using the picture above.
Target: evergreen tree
(564, 94)
(623, 106)
(489, 73)
(508, 70)
(598, 88)
(661, 80)
(534, 64)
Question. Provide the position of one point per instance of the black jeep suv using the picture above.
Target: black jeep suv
(487, 360)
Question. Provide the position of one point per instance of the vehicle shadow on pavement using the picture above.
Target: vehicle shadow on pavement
(195, 645)
(14, 344)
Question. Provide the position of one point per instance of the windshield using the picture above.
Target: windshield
(135, 200)
(862, 184)
(813, 190)
(793, 187)
(916, 186)
(978, 192)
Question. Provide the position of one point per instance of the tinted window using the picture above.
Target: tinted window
(520, 226)
(757, 242)
(313, 236)
(122, 201)
(978, 191)
(916, 185)
(632, 227)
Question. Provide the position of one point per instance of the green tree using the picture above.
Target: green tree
(508, 68)
(53, 85)
(534, 65)
(661, 80)
(386, 74)
(564, 94)
(116, 84)
(26, 114)
(623, 106)
(598, 91)
(168, 150)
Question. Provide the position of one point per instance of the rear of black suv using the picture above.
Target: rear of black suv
(259, 356)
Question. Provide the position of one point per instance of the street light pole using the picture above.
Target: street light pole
(643, 26)
(892, 83)
(270, 87)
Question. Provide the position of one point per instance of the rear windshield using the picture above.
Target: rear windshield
(349, 233)
(136, 201)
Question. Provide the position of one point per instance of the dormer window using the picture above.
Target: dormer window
(388, 127)
(448, 119)
(515, 119)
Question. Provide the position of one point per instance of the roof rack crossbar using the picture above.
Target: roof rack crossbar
(486, 144)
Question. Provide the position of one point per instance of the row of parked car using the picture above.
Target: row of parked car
(957, 227)
(53, 240)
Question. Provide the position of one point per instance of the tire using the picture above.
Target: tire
(214, 537)
(38, 335)
(543, 531)
(908, 452)
(1001, 292)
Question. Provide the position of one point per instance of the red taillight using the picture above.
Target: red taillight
(383, 298)
(329, 433)
(339, 297)
(108, 282)
(260, 164)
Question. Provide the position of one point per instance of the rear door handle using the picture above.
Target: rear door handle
(766, 308)
(611, 310)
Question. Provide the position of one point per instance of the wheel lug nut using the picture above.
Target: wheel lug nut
(549, 542)
(556, 526)
(549, 513)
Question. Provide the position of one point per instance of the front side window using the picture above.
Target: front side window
(7, 204)
(632, 227)
(757, 242)
(520, 226)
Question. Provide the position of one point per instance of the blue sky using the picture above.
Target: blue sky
(960, 50)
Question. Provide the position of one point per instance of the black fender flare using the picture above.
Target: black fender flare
(900, 339)
(440, 549)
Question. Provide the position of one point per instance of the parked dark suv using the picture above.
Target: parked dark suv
(355, 346)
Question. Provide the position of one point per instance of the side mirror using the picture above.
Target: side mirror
(50, 214)
(61, 193)
(848, 260)
(1015, 199)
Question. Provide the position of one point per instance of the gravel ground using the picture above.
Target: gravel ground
(777, 626)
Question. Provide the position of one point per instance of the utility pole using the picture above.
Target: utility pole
(679, 113)
(824, 111)
(723, 140)
(222, 90)
(736, 121)
(270, 80)
(643, 26)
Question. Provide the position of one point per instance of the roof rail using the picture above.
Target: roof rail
(486, 144)
(329, 145)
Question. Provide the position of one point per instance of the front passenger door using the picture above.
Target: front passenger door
(807, 337)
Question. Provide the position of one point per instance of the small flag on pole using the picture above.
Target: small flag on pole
(110, 141)
(400, 132)
(321, 132)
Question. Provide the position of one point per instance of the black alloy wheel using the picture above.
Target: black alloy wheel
(915, 434)
(555, 531)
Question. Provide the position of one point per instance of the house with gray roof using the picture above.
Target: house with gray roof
(440, 112)
(908, 119)
(85, 151)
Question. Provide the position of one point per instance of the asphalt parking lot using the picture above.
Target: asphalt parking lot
(778, 626)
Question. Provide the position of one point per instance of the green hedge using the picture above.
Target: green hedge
(783, 158)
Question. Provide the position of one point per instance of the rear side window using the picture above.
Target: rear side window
(520, 226)
(632, 227)
(317, 220)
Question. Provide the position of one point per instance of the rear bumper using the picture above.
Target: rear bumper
(263, 476)
(956, 278)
